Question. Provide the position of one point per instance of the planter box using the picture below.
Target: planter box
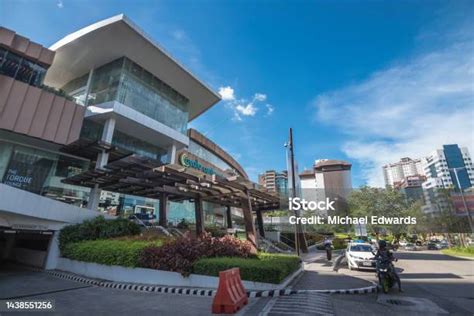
(157, 277)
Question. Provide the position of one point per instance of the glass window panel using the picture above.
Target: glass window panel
(10, 65)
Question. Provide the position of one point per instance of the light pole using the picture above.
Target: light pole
(300, 242)
(462, 197)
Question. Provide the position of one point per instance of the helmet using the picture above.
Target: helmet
(382, 244)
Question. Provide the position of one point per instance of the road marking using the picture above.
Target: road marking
(299, 304)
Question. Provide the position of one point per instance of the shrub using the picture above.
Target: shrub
(180, 254)
(268, 268)
(183, 224)
(97, 228)
(108, 251)
(339, 243)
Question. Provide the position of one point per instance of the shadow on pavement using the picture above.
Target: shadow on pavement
(426, 256)
(429, 276)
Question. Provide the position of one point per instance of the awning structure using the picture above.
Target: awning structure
(150, 178)
(91, 148)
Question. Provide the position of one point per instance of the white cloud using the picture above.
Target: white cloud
(248, 110)
(260, 97)
(242, 107)
(408, 109)
(60, 4)
(270, 109)
(227, 93)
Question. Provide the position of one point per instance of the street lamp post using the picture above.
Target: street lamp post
(300, 242)
(462, 197)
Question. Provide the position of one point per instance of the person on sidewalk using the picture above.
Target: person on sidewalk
(328, 247)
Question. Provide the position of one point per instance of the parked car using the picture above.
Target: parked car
(444, 244)
(410, 247)
(403, 243)
(360, 256)
(432, 245)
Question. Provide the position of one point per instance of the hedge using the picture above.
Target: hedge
(460, 251)
(97, 228)
(108, 251)
(268, 268)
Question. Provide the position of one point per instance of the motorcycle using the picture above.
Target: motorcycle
(385, 274)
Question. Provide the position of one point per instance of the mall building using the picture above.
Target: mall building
(97, 124)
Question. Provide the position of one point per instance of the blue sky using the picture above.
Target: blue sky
(365, 81)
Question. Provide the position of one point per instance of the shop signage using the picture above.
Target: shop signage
(184, 160)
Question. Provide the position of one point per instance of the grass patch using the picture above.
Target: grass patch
(459, 251)
(108, 251)
(268, 268)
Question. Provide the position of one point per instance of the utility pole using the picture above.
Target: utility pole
(300, 240)
(463, 198)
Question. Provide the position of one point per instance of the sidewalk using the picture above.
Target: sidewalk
(319, 275)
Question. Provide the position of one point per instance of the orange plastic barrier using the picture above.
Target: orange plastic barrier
(231, 294)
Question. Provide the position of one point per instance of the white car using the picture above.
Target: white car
(360, 256)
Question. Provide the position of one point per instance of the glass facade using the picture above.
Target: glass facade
(124, 81)
(93, 131)
(22, 69)
(454, 159)
(41, 172)
(208, 156)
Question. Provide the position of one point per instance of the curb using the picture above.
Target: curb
(198, 291)
(273, 293)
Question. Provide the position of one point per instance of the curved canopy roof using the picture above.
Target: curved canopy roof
(107, 40)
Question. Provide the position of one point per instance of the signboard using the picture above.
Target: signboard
(27, 171)
(186, 161)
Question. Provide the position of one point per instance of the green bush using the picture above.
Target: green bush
(460, 251)
(339, 243)
(97, 228)
(108, 251)
(268, 268)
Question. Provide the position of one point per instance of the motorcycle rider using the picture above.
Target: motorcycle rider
(384, 254)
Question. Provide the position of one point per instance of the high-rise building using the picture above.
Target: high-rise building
(327, 179)
(441, 168)
(411, 187)
(275, 181)
(396, 172)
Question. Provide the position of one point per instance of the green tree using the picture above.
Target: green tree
(368, 201)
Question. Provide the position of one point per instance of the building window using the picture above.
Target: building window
(124, 81)
(22, 69)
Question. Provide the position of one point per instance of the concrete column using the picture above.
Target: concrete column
(163, 220)
(53, 253)
(261, 231)
(248, 219)
(199, 216)
(102, 160)
(172, 153)
(228, 217)
(108, 131)
(10, 245)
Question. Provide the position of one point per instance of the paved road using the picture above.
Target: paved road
(433, 283)
(73, 298)
(446, 281)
